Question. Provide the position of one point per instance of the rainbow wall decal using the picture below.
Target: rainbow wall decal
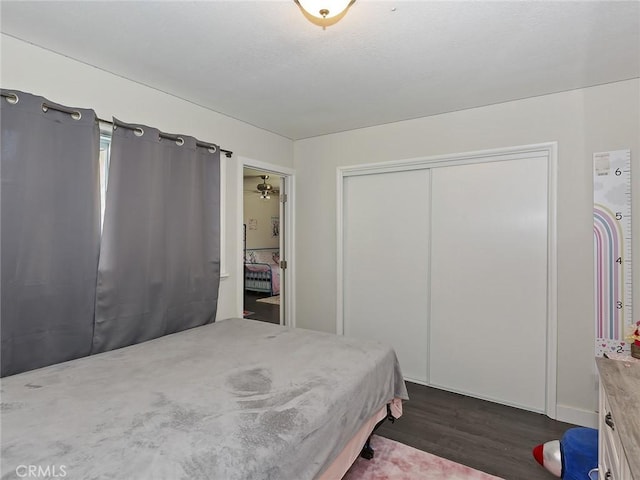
(608, 247)
(612, 250)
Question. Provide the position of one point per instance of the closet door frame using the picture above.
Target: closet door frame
(548, 149)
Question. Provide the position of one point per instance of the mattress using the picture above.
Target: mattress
(237, 399)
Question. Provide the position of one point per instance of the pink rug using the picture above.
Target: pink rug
(395, 461)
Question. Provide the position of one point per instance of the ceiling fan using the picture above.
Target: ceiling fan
(265, 188)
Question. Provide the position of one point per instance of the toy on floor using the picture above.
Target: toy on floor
(574, 457)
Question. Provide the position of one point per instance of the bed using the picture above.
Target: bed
(262, 270)
(236, 399)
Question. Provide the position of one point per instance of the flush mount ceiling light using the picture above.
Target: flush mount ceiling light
(324, 13)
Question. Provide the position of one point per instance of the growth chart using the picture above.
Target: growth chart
(612, 250)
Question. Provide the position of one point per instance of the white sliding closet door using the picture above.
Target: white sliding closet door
(489, 281)
(385, 269)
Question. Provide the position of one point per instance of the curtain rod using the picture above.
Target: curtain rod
(228, 153)
(75, 113)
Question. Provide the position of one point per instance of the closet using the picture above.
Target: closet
(451, 260)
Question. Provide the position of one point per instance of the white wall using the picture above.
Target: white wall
(581, 121)
(261, 211)
(41, 72)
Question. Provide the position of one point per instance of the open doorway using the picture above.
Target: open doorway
(263, 281)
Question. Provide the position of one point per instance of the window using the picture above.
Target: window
(105, 150)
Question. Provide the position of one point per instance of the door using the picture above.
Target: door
(263, 283)
(488, 314)
(282, 226)
(452, 262)
(386, 263)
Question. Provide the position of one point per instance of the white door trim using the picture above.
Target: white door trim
(550, 149)
(288, 175)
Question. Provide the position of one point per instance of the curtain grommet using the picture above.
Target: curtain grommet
(179, 141)
(12, 98)
(138, 131)
(75, 114)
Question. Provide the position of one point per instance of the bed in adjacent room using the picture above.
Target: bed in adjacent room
(262, 270)
(236, 399)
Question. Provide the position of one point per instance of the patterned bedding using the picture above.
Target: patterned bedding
(262, 270)
(237, 399)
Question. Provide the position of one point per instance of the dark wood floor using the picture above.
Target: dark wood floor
(483, 435)
(264, 312)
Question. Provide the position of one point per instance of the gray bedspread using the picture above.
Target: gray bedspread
(237, 399)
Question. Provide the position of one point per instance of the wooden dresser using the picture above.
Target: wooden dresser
(619, 420)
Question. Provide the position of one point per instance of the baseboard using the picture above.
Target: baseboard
(577, 416)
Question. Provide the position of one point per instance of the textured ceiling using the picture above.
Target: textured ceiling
(263, 63)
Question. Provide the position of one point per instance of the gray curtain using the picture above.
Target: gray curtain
(159, 268)
(50, 207)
